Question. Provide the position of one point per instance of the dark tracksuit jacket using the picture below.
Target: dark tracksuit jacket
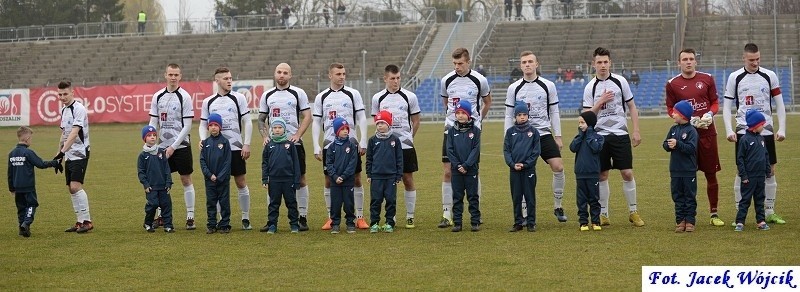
(154, 173)
(587, 146)
(522, 145)
(215, 159)
(340, 161)
(280, 169)
(683, 171)
(22, 180)
(385, 169)
(463, 149)
(752, 162)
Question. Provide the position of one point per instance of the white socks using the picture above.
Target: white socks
(75, 207)
(411, 203)
(629, 188)
(737, 192)
(188, 197)
(244, 202)
(605, 192)
(83, 206)
(447, 198)
(327, 194)
(302, 201)
(558, 188)
(770, 192)
(359, 201)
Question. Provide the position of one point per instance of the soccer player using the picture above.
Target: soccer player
(699, 89)
(541, 98)
(345, 102)
(74, 146)
(288, 102)
(236, 127)
(171, 113)
(609, 96)
(460, 84)
(404, 106)
(754, 87)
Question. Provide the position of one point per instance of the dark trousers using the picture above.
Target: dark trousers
(339, 196)
(218, 193)
(141, 27)
(26, 206)
(465, 184)
(684, 195)
(588, 200)
(523, 185)
(285, 190)
(382, 189)
(753, 190)
(158, 199)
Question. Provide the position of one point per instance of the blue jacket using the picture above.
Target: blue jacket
(682, 159)
(587, 146)
(464, 149)
(154, 170)
(279, 163)
(385, 158)
(521, 145)
(21, 161)
(340, 161)
(215, 159)
(752, 160)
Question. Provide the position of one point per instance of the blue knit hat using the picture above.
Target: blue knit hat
(464, 106)
(278, 121)
(520, 107)
(754, 119)
(685, 109)
(215, 119)
(147, 130)
(339, 124)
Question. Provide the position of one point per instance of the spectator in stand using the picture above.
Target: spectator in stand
(537, 8)
(481, 70)
(516, 74)
(560, 75)
(624, 73)
(578, 74)
(507, 5)
(569, 76)
(285, 12)
(635, 78)
(518, 7)
(340, 13)
(326, 13)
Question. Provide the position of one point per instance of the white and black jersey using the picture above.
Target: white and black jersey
(284, 103)
(611, 119)
(402, 104)
(344, 103)
(471, 87)
(170, 108)
(542, 100)
(75, 115)
(753, 91)
(231, 107)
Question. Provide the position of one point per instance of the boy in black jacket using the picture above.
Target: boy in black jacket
(215, 162)
(340, 164)
(154, 174)
(22, 178)
(384, 171)
(587, 146)
(280, 175)
(521, 148)
(463, 150)
(752, 161)
(681, 142)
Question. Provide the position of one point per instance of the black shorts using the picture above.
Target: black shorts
(181, 161)
(75, 170)
(301, 155)
(238, 165)
(358, 164)
(549, 148)
(410, 160)
(616, 153)
(445, 159)
(769, 142)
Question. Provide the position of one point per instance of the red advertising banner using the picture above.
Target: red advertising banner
(127, 103)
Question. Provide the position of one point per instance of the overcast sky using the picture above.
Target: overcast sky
(196, 9)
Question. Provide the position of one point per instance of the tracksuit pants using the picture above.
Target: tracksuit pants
(588, 200)
(158, 199)
(26, 206)
(523, 185)
(684, 195)
(342, 196)
(285, 190)
(218, 193)
(380, 190)
(465, 184)
(753, 190)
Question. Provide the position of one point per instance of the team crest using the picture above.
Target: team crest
(347, 150)
(683, 137)
(220, 146)
(392, 143)
(286, 146)
(699, 85)
(762, 144)
(159, 155)
(471, 135)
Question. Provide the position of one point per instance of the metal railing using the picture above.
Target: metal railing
(483, 39)
(421, 41)
(578, 9)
